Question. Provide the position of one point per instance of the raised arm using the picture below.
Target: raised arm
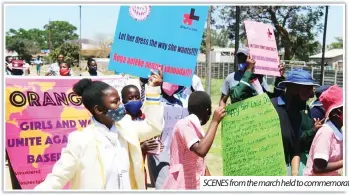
(154, 112)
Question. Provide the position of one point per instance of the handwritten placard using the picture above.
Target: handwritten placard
(172, 114)
(251, 139)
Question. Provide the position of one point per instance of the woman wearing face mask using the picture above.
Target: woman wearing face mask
(92, 69)
(106, 155)
(64, 69)
(326, 152)
(169, 91)
(190, 144)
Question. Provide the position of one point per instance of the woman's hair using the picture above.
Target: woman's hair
(7, 57)
(89, 60)
(125, 90)
(91, 92)
(198, 102)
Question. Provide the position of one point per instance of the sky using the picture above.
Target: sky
(100, 21)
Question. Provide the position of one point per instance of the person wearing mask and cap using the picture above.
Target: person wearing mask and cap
(316, 109)
(299, 89)
(54, 69)
(326, 152)
(237, 85)
(106, 155)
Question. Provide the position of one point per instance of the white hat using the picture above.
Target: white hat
(244, 51)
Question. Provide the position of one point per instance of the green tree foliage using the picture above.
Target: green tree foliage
(70, 52)
(336, 45)
(295, 27)
(60, 31)
(25, 48)
(219, 38)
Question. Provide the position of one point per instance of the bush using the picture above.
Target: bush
(70, 52)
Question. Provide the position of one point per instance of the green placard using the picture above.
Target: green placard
(251, 139)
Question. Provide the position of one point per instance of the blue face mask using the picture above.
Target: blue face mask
(133, 107)
(118, 114)
(242, 66)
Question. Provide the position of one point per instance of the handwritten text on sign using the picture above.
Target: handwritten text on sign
(172, 114)
(262, 45)
(166, 37)
(251, 139)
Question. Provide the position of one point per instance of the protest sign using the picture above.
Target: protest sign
(40, 113)
(172, 114)
(251, 139)
(149, 37)
(262, 46)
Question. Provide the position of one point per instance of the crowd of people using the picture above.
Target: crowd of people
(110, 153)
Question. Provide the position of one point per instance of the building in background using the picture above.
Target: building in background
(333, 59)
(219, 55)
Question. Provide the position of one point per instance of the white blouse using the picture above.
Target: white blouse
(115, 159)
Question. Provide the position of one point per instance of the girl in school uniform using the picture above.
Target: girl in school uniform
(190, 144)
(131, 98)
(107, 155)
(326, 152)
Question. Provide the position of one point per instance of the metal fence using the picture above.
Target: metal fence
(221, 71)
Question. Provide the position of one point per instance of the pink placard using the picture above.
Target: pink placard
(40, 113)
(262, 46)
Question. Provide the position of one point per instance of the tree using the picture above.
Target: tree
(295, 27)
(60, 31)
(336, 45)
(70, 52)
(218, 38)
(36, 35)
(24, 48)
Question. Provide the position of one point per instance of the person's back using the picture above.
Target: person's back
(190, 144)
(192, 165)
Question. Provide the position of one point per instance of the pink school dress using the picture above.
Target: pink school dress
(327, 145)
(186, 167)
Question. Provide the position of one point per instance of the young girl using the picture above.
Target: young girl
(190, 144)
(326, 152)
(106, 155)
(64, 69)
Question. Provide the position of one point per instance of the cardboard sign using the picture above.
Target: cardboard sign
(152, 37)
(251, 139)
(262, 46)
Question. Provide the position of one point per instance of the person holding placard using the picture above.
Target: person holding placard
(244, 83)
(299, 88)
(106, 155)
(326, 152)
(190, 144)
